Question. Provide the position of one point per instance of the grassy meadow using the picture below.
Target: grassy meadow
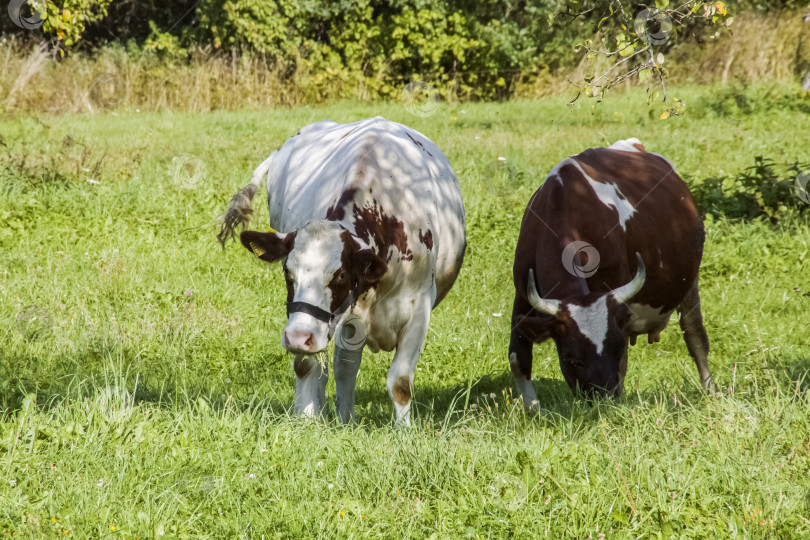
(144, 392)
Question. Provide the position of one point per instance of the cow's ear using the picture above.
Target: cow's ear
(270, 246)
(622, 315)
(540, 327)
(369, 267)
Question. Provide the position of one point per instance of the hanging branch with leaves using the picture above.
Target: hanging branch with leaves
(63, 21)
(633, 36)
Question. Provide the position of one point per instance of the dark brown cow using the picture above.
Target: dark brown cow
(609, 247)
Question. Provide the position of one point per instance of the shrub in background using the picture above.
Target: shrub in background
(764, 190)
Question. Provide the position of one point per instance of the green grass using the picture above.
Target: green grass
(134, 301)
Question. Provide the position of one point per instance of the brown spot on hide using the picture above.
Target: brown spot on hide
(302, 367)
(426, 239)
(347, 134)
(337, 211)
(339, 287)
(402, 390)
(360, 269)
(371, 223)
(289, 284)
(418, 143)
(639, 146)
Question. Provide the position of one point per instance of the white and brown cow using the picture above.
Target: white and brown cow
(373, 230)
(609, 247)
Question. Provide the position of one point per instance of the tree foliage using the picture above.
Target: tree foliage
(64, 21)
(472, 49)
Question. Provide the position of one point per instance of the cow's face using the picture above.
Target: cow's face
(323, 263)
(592, 345)
(589, 334)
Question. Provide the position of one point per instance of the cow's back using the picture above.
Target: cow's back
(665, 227)
(621, 202)
(409, 178)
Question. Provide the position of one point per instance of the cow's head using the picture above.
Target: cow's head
(589, 334)
(323, 265)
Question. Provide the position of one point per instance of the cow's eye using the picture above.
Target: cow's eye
(575, 361)
(340, 278)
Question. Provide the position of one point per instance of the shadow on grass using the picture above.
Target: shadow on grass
(798, 370)
(252, 392)
(437, 402)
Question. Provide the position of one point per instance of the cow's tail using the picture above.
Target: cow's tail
(240, 209)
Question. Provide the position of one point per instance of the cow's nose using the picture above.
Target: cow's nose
(299, 341)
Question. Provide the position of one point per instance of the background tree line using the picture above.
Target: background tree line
(484, 49)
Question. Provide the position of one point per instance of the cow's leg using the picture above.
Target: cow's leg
(310, 385)
(409, 347)
(520, 361)
(697, 341)
(346, 365)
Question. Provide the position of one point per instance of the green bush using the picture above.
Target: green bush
(385, 44)
(762, 190)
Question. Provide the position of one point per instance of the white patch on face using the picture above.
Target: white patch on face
(610, 195)
(592, 321)
(644, 319)
(627, 145)
(312, 262)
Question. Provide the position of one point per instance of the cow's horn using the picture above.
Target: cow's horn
(550, 306)
(626, 292)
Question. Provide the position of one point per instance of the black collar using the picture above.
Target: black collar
(321, 314)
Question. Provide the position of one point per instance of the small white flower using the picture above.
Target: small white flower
(501, 158)
(91, 181)
(13, 483)
(320, 464)
(100, 482)
(477, 138)
(498, 314)
(228, 381)
(251, 475)
(331, 486)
